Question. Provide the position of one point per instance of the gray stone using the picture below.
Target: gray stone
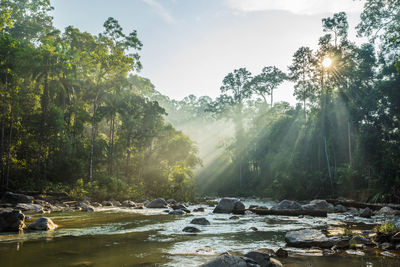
(191, 229)
(177, 212)
(158, 203)
(226, 260)
(30, 207)
(313, 238)
(129, 204)
(200, 221)
(340, 208)
(230, 205)
(43, 224)
(275, 263)
(14, 198)
(201, 209)
(178, 207)
(281, 253)
(86, 207)
(287, 205)
(319, 204)
(366, 213)
(386, 211)
(12, 221)
(260, 258)
(355, 240)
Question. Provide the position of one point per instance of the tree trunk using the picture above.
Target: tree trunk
(9, 149)
(272, 97)
(92, 138)
(327, 162)
(349, 138)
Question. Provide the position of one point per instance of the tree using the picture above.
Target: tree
(268, 80)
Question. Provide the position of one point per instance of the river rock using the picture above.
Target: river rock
(226, 260)
(158, 203)
(260, 258)
(355, 240)
(313, 238)
(366, 213)
(281, 253)
(178, 207)
(12, 221)
(230, 205)
(129, 204)
(86, 207)
(274, 263)
(340, 208)
(176, 212)
(30, 207)
(201, 209)
(14, 198)
(96, 204)
(200, 221)
(319, 204)
(107, 204)
(386, 211)
(190, 229)
(43, 223)
(287, 205)
(355, 252)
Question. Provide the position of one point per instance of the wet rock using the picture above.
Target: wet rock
(96, 204)
(200, 221)
(115, 203)
(353, 211)
(14, 198)
(129, 204)
(388, 254)
(158, 203)
(171, 201)
(387, 246)
(355, 240)
(253, 206)
(177, 212)
(43, 223)
(287, 205)
(319, 204)
(12, 221)
(396, 222)
(340, 208)
(30, 207)
(178, 207)
(386, 211)
(201, 209)
(166, 211)
(254, 228)
(107, 204)
(355, 252)
(230, 205)
(281, 253)
(190, 229)
(313, 238)
(86, 208)
(226, 260)
(260, 258)
(234, 218)
(366, 213)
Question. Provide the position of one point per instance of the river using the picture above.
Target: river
(150, 237)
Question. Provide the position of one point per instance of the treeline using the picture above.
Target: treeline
(341, 139)
(74, 118)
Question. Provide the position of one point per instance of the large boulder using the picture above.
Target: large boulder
(30, 207)
(319, 204)
(158, 203)
(226, 260)
(386, 211)
(200, 221)
(12, 221)
(87, 208)
(313, 238)
(230, 205)
(287, 205)
(191, 229)
(176, 212)
(366, 213)
(14, 198)
(43, 223)
(260, 258)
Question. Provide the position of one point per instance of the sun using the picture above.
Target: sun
(327, 62)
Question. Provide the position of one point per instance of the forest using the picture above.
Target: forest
(77, 117)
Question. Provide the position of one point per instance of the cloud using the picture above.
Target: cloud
(160, 10)
(303, 7)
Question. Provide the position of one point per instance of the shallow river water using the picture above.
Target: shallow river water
(149, 237)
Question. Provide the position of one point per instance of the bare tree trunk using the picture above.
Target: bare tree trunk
(92, 138)
(272, 97)
(3, 122)
(327, 162)
(9, 149)
(349, 138)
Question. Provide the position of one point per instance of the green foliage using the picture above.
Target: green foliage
(385, 228)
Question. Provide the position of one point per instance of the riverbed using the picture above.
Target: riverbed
(150, 237)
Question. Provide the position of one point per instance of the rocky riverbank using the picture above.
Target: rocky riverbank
(335, 235)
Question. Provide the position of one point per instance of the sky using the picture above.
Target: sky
(189, 46)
